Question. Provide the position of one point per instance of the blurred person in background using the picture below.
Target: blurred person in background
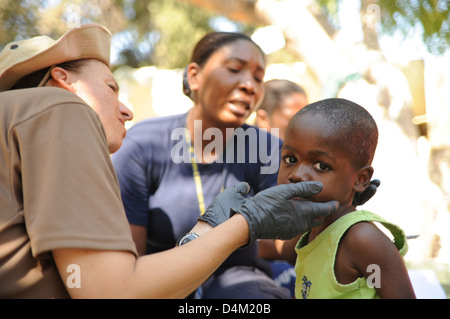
(282, 99)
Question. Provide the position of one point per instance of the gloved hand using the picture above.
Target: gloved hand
(224, 205)
(361, 198)
(274, 214)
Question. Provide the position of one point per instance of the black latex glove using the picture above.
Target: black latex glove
(272, 213)
(361, 198)
(224, 205)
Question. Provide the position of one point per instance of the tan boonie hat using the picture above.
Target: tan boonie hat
(20, 58)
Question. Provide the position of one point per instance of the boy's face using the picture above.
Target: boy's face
(311, 152)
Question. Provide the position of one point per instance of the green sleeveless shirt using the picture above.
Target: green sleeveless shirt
(315, 261)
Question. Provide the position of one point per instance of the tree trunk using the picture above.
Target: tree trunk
(370, 18)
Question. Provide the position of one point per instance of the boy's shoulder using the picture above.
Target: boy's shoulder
(365, 243)
(363, 234)
(366, 229)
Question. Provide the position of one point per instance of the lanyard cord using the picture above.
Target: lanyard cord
(198, 182)
(197, 177)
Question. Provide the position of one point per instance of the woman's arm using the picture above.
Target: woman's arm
(139, 234)
(177, 272)
(174, 273)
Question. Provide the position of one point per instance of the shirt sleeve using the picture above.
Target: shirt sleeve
(70, 191)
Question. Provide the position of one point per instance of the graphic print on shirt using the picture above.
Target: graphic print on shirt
(306, 287)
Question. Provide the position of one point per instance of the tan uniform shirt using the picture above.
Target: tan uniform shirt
(58, 189)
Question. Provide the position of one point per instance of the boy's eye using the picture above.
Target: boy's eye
(289, 159)
(321, 167)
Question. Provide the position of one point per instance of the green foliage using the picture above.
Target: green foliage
(432, 17)
(180, 26)
(18, 17)
(150, 32)
(331, 10)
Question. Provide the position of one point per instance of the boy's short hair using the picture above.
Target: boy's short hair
(351, 124)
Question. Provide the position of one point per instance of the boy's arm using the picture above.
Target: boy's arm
(375, 256)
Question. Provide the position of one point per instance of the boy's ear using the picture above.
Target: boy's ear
(363, 178)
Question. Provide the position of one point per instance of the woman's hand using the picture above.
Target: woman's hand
(272, 213)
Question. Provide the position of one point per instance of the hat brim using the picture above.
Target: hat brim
(89, 41)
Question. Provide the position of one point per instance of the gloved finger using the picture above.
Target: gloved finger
(325, 209)
(363, 197)
(317, 222)
(375, 182)
(302, 189)
(242, 188)
(369, 192)
(315, 210)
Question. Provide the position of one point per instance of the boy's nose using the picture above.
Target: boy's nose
(299, 175)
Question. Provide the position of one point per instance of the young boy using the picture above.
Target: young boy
(333, 141)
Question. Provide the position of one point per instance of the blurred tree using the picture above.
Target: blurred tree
(27, 18)
(18, 17)
(162, 32)
(146, 32)
(178, 26)
(432, 17)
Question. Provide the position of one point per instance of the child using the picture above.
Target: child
(333, 141)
